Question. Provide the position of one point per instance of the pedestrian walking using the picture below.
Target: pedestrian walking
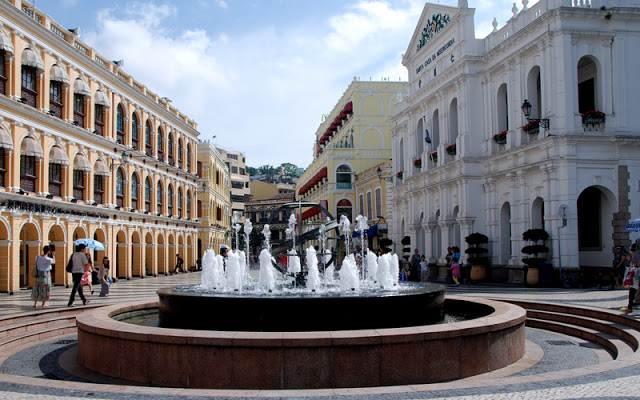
(179, 264)
(78, 260)
(103, 277)
(424, 271)
(415, 266)
(42, 287)
(87, 275)
(620, 263)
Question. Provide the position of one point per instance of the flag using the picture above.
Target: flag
(427, 138)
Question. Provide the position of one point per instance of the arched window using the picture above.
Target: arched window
(435, 132)
(147, 194)
(503, 109)
(189, 204)
(160, 143)
(78, 184)
(98, 188)
(119, 188)
(134, 131)
(3, 73)
(180, 153)
(58, 78)
(170, 200)
(344, 207)
(587, 85)
(189, 155)
(120, 124)
(180, 200)
(57, 158)
(3, 168)
(159, 194)
(419, 139)
(78, 110)
(99, 119)
(170, 148)
(453, 121)
(134, 191)
(343, 177)
(28, 172)
(534, 92)
(148, 139)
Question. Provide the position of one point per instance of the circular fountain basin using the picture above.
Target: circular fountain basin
(411, 304)
(295, 360)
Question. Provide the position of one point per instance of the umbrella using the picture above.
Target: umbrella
(90, 244)
(634, 226)
(223, 247)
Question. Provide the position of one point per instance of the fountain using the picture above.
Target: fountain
(274, 333)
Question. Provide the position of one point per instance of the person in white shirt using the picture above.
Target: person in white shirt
(42, 287)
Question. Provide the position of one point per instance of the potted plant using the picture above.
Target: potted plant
(406, 250)
(385, 245)
(417, 163)
(532, 127)
(593, 117)
(533, 251)
(434, 156)
(451, 150)
(477, 256)
(500, 138)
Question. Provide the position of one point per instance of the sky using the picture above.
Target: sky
(257, 74)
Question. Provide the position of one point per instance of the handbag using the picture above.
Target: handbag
(35, 269)
(69, 267)
(628, 280)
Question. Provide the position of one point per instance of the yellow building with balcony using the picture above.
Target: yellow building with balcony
(86, 151)
(354, 137)
(214, 199)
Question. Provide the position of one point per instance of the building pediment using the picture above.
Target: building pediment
(435, 19)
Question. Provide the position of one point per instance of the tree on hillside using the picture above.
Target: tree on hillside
(252, 171)
(268, 170)
(289, 169)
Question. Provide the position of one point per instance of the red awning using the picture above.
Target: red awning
(343, 115)
(318, 177)
(348, 108)
(310, 213)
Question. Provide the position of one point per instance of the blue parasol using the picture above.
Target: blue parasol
(634, 226)
(90, 244)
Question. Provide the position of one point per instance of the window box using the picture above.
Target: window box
(434, 156)
(532, 127)
(451, 150)
(400, 174)
(593, 118)
(417, 163)
(500, 138)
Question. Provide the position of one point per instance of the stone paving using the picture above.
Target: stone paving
(588, 379)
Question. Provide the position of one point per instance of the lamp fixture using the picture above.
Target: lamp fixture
(526, 110)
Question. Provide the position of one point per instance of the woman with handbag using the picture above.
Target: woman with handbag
(631, 281)
(42, 288)
(103, 277)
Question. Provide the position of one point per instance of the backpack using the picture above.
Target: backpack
(69, 267)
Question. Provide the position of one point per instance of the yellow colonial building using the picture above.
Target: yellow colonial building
(353, 138)
(87, 151)
(214, 199)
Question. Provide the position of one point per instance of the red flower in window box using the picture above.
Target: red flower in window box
(434, 156)
(451, 150)
(593, 117)
(500, 138)
(532, 127)
(399, 174)
(417, 163)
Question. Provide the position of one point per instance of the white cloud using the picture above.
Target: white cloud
(222, 4)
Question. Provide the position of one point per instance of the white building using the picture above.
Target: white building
(567, 57)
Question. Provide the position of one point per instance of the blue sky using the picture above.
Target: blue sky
(258, 74)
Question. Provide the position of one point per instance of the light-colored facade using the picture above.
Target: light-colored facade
(264, 190)
(354, 137)
(374, 200)
(214, 199)
(240, 190)
(263, 211)
(67, 118)
(567, 58)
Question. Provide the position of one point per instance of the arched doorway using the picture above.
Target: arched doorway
(505, 234)
(121, 255)
(190, 261)
(150, 264)
(537, 213)
(182, 251)
(161, 263)
(4, 254)
(98, 255)
(344, 207)
(29, 249)
(596, 206)
(137, 267)
(57, 238)
(171, 261)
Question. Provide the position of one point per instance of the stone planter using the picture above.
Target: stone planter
(478, 273)
(533, 276)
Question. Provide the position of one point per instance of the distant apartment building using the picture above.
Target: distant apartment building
(214, 199)
(240, 191)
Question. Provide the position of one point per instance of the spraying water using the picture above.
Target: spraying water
(266, 232)
(234, 271)
(372, 266)
(349, 274)
(385, 279)
(236, 220)
(313, 277)
(362, 227)
(248, 227)
(345, 230)
(322, 235)
(266, 279)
